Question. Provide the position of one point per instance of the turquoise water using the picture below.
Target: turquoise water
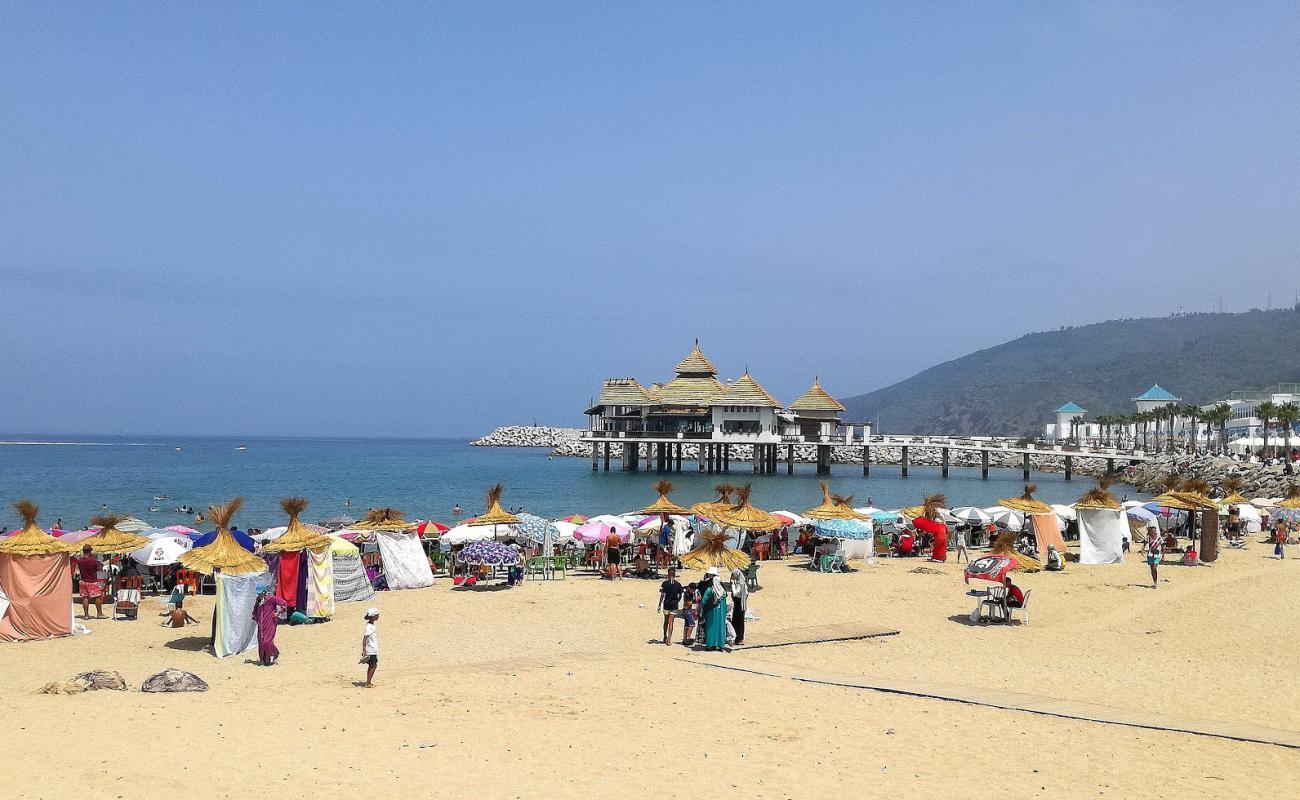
(425, 478)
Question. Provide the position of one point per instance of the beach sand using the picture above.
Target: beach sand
(560, 687)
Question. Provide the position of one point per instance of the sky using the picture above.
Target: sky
(431, 219)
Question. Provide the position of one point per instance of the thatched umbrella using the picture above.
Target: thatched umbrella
(224, 553)
(663, 505)
(1025, 503)
(745, 516)
(832, 507)
(495, 514)
(1292, 500)
(1232, 492)
(110, 540)
(31, 540)
(714, 552)
(1005, 545)
(383, 519)
(1099, 496)
(297, 536)
(724, 490)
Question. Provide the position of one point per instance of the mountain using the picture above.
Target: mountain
(1014, 388)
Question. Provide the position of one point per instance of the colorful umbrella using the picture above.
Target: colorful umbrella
(990, 568)
(163, 550)
(843, 529)
(493, 554)
(970, 515)
(598, 529)
(534, 528)
(791, 518)
(575, 519)
(428, 530)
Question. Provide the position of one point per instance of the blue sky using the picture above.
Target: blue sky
(425, 220)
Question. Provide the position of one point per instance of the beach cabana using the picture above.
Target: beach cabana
(1045, 525)
(300, 561)
(238, 573)
(350, 581)
(1103, 526)
(35, 582)
(405, 564)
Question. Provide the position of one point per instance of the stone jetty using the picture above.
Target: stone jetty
(1258, 480)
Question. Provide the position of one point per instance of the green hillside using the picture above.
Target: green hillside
(1013, 388)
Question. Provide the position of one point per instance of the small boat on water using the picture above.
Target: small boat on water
(154, 509)
(178, 449)
(242, 447)
(162, 497)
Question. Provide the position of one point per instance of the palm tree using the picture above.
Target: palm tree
(1288, 414)
(1193, 413)
(1217, 416)
(1172, 413)
(1142, 418)
(1075, 422)
(1265, 411)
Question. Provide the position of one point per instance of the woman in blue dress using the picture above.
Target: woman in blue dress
(713, 611)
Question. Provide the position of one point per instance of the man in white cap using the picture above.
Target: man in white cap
(370, 646)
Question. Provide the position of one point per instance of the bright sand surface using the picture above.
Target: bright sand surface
(556, 688)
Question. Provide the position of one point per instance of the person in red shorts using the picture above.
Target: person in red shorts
(92, 588)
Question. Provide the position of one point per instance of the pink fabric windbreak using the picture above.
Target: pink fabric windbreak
(40, 597)
(1047, 531)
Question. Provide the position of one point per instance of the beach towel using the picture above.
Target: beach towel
(1047, 530)
(1101, 535)
(350, 583)
(235, 630)
(320, 584)
(405, 564)
(287, 587)
(36, 593)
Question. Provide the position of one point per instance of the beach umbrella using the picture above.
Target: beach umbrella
(239, 537)
(1025, 503)
(466, 532)
(1006, 518)
(111, 540)
(663, 505)
(430, 529)
(745, 516)
(597, 529)
(132, 525)
(339, 521)
(714, 552)
(297, 536)
(575, 519)
(491, 553)
(495, 515)
(1098, 497)
(163, 550)
(342, 547)
(223, 552)
(1064, 513)
(707, 510)
(383, 519)
(30, 540)
(989, 568)
(77, 537)
(269, 534)
(1141, 514)
(831, 507)
(181, 529)
(1292, 500)
(843, 529)
(791, 519)
(535, 528)
(970, 515)
(564, 530)
(887, 517)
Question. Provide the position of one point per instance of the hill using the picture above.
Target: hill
(1013, 388)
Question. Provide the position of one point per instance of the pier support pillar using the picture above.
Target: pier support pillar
(944, 465)
(774, 457)
(789, 459)
(903, 461)
(757, 458)
(680, 446)
(1069, 467)
(866, 460)
(607, 456)
(726, 458)
(984, 464)
(1025, 466)
(595, 456)
(1110, 465)
(699, 457)
(823, 459)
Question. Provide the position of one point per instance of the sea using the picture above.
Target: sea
(73, 478)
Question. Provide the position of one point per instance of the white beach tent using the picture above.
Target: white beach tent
(163, 549)
(405, 564)
(1252, 521)
(1101, 535)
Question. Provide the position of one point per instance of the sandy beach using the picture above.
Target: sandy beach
(559, 687)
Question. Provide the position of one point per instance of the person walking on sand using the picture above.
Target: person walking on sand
(92, 588)
(1155, 551)
(370, 646)
(612, 553)
(713, 611)
(739, 604)
(961, 544)
(670, 597)
(264, 614)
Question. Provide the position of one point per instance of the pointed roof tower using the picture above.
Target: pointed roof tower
(696, 365)
(816, 399)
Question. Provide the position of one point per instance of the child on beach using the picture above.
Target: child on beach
(370, 646)
(670, 596)
(688, 614)
(961, 544)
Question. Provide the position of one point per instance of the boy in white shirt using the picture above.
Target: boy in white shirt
(370, 646)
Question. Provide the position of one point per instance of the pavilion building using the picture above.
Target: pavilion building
(695, 407)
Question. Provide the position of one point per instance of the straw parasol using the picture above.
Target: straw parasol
(1292, 500)
(663, 505)
(1099, 496)
(1005, 545)
(1025, 503)
(714, 552)
(224, 553)
(495, 515)
(31, 540)
(832, 507)
(724, 490)
(383, 519)
(1232, 492)
(110, 539)
(298, 536)
(745, 516)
